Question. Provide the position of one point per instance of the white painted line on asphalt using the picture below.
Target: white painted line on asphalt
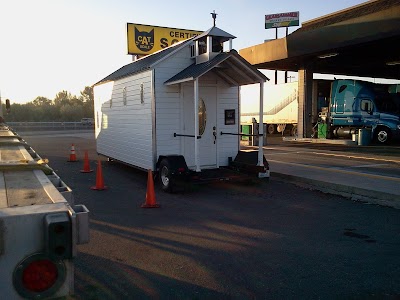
(310, 151)
(357, 157)
(334, 170)
(339, 155)
(370, 166)
(283, 153)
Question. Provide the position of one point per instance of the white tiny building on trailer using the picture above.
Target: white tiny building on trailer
(182, 100)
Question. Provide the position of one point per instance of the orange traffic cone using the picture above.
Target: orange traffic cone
(99, 179)
(72, 156)
(86, 166)
(150, 195)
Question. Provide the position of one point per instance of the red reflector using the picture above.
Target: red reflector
(39, 275)
(181, 169)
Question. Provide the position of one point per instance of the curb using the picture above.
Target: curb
(354, 193)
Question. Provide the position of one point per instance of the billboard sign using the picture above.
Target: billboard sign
(147, 39)
(282, 20)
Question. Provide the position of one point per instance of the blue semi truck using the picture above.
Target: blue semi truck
(357, 104)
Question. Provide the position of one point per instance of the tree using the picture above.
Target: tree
(87, 94)
(43, 110)
(41, 101)
(87, 97)
(62, 98)
(71, 112)
(75, 101)
(64, 107)
(20, 113)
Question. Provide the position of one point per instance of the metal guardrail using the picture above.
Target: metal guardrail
(23, 126)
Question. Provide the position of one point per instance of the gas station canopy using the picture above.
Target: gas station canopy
(363, 40)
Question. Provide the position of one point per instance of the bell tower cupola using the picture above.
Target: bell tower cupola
(211, 42)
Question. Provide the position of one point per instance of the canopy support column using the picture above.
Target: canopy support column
(304, 125)
(261, 127)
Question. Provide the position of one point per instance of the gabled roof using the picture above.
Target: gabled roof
(230, 66)
(144, 63)
(215, 31)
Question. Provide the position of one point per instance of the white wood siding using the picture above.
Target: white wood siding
(126, 132)
(126, 129)
(228, 145)
(169, 103)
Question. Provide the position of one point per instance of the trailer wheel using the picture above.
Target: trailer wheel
(165, 176)
(382, 135)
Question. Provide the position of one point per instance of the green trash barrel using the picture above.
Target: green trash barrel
(322, 130)
(246, 129)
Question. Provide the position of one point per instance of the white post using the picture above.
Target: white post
(261, 127)
(196, 48)
(209, 45)
(196, 125)
(230, 44)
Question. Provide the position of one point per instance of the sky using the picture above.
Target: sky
(47, 46)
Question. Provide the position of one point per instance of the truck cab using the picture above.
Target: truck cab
(358, 104)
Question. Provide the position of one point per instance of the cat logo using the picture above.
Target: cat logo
(144, 40)
(148, 39)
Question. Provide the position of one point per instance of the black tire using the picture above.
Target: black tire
(164, 176)
(382, 135)
(271, 129)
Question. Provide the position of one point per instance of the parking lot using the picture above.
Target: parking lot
(367, 173)
(266, 240)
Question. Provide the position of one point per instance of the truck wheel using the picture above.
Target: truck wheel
(165, 176)
(382, 135)
(271, 129)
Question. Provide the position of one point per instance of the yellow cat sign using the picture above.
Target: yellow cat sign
(147, 39)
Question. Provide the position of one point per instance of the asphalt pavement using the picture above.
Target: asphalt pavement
(374, 186)
(371, 187)
(267, 240)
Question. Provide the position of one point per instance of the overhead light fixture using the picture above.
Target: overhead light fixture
(393, 63)
(327, 55)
